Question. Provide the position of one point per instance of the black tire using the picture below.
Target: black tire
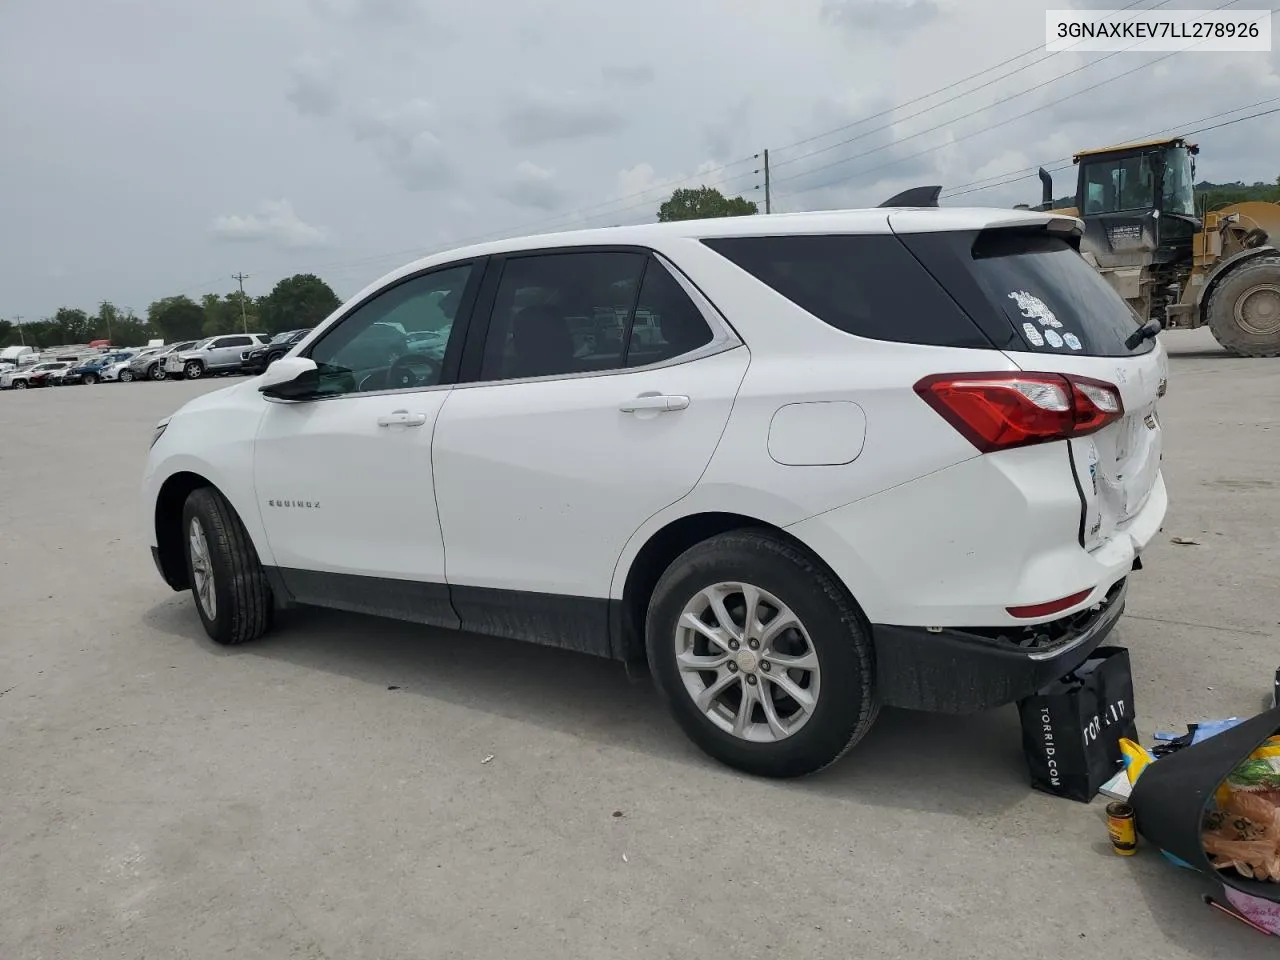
(19, 384)
(244, 605)
(90, 378)
(126, 375)
(193, 370)
(1239, 283)
(847, 703)
(156, 372)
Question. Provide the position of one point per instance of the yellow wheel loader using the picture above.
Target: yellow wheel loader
(1142, 232)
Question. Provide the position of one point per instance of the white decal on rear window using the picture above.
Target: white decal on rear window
(1033, 334)
(1035, 308)
(1071, 340)
(1053, 338)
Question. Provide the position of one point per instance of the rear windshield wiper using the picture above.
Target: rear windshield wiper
(1147, 331)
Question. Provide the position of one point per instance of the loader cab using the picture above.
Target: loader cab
(1138, 202)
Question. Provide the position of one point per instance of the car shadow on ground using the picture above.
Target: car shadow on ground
(978, 757)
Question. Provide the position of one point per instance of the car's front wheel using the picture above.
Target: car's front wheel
(762, 655)
(230, 589)
(90, 378)
(193, 370)
(19, 384)
(156, 372)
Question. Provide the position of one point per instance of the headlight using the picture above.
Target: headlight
(160, 428)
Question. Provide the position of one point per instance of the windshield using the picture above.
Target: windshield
(282, 337)
(1179, 183)
(1113, 185)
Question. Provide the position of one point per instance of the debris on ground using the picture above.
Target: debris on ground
(487, 759)
(1186, 541)
(1209, 800)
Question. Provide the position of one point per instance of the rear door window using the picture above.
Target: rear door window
(869, 285)
(1032, 290)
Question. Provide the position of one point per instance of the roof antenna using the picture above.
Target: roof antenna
(915, 197)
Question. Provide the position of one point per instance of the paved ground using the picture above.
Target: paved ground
(160, 798)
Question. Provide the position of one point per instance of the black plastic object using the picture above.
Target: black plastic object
(1170, 797)
(1071, 729)
(915, 197)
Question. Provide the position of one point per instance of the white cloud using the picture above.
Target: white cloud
(274, 222)
(532, 186)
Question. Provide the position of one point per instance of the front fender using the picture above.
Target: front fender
(212, 437)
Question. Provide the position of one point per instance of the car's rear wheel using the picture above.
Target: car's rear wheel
(156, 372)
(193, 370)
(90, 378)
(126, 375)
(762, 655)
(230, 589)
(19, 384)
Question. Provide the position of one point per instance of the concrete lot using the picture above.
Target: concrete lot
(163, 798)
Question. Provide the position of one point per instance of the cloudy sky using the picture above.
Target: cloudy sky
(155, 147)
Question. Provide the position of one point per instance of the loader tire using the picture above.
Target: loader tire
(1244, 308)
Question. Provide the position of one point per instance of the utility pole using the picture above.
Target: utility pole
(106, 315)
(17, 322)
(243, 318)
(768, 191)
(768, 195)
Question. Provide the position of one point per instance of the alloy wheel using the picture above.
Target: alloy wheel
(202, 570)
(747, 662)
(192, 370)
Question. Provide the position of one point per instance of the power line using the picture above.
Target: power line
(1068, 165)
(960, 96)
(977, 186)
(973, 133)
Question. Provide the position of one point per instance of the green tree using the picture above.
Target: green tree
(72, 326)
(176, 318)
(690, 204)
(302, 300)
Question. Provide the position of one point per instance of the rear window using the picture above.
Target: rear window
(870, 286)
(1031, 291)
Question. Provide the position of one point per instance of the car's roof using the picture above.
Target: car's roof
(869, 221)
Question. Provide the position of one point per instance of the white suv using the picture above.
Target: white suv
(893, 456)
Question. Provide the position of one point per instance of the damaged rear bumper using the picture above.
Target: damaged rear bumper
(954, 670)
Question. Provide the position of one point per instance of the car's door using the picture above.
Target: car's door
(562, 438)
(344, 478)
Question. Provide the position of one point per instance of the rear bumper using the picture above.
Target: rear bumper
(959, 671)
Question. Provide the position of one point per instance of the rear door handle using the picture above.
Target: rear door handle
(660, 402)
(402, 418)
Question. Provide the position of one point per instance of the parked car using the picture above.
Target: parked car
(91, 371)
(257, 359)
(903, 457)
(149, 364)
(35, 375)
(212, 355)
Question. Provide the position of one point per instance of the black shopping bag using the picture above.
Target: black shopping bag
(1071, 729)
(1171, 796)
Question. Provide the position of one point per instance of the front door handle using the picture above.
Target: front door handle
(660, 402)
(402, 418)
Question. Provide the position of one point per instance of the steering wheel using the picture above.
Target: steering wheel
(400, 375)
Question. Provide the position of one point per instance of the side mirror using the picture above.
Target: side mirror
(290, 378)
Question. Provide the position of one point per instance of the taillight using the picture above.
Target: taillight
(996, 411)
